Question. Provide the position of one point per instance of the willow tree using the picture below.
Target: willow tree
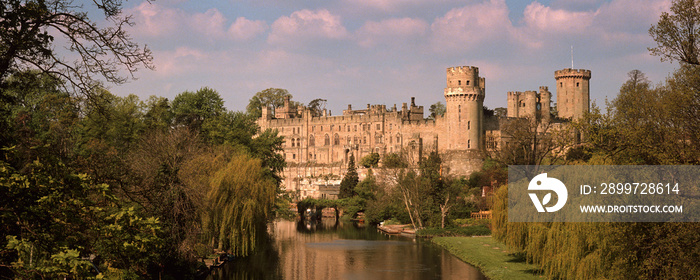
(241, 200)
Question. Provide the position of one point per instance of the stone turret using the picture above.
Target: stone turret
(464, 100)
(573, 92)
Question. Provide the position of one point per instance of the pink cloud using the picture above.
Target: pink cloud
(543, 18)
(154, 20)
(210, 23)
(390, 30)
(472, 26)
(244, 29)
(305, 25)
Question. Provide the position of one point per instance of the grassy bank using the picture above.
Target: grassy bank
(494, 259)
(476, 230)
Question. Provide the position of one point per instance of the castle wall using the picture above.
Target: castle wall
(321, 145)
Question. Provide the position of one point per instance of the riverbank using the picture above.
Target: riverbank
(493, 258)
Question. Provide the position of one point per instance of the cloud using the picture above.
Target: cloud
(306, 25)
(154, 20)
(538, 17)
(472, 26)
(390, 31)
(210, 23)
(244, 29)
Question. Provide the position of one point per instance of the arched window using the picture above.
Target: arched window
(312, 140)
(364, 140)
(398, 138)
(336, 139)
(326, 140)
(354, 140)
(292, 142)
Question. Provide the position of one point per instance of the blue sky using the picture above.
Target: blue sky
(386, 51)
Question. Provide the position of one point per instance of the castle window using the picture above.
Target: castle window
(294, 156)
(348, 128)
(576, 84)
(348, 140)
(469, 125)
(326, 140)
(312, 140)
(292, 142)
(355, 128)
(561, 84)
(321, 128)
(398, 138)
(469, 144)
(459, 83)
(313, 128)
(467, 82)
(364, 140)
(355, 140)
(379, 127)
(336, 139)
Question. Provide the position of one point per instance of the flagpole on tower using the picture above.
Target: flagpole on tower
(572, 56)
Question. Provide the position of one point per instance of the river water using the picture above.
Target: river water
(334, 250)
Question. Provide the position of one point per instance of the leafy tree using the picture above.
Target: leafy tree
(437, 109)
(349, 182)
(676, 34)
(157, 113)
(370, 160)
(27, 41)
(271, 97)
(240, 203)
(394, 160)
(192, 109)
(316, 106)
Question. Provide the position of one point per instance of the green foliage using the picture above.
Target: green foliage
(350, 180)
(193, 109)
(240, 201)
(271, 97)
(316, 106)
(394, 160)
(437, 109)
(370, 160)
(676, 33)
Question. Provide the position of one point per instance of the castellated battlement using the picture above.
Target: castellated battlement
(463, 70)
(568, 72)
(545, 88)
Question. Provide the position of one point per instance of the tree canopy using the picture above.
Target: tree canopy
(677, 34)
(27, 41)
(271, 97)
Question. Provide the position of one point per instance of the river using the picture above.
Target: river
(330, 250)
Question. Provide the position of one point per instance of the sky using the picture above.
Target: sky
(363, 52)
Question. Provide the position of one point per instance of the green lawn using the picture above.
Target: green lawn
(493, 258)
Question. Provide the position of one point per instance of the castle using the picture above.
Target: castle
(461, 135)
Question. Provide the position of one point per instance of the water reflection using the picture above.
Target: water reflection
(333, 250)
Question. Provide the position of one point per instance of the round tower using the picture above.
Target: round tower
(464, 101)
(573, 93)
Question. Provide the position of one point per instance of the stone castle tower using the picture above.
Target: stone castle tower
(464, 100)
(573, 92)
(530, 104)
